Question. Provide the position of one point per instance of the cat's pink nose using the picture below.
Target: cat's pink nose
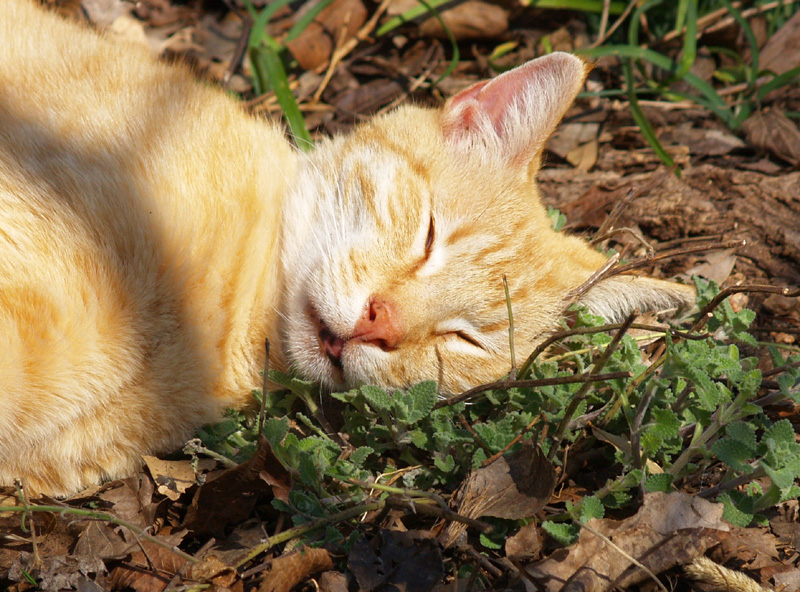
(379, 324)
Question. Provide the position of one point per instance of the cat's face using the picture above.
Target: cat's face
(398, 237)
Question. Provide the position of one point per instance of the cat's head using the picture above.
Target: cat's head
(398, 235)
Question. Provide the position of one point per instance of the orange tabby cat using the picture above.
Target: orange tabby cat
(152, 235)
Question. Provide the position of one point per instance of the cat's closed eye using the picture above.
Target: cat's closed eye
(431, 236)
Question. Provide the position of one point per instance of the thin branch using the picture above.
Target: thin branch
(506, 384)
(103, 517)
(708, 309)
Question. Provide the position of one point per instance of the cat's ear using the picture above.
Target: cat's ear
(513, 115)
(618, 296)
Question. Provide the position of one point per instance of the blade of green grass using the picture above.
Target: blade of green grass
(453, 43)
(410, 15)
(641, 120)
(689, 52)
(777, 82)
(578, 5)
(745, 107)
(267, 66)
(305, 20)
(260, 19)
(709, 99)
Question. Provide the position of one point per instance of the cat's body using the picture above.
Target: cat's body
(152, 235)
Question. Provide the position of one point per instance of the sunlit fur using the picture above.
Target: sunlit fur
(152, 235)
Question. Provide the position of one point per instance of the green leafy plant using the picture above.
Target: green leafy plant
(691, 408)
(266, 55)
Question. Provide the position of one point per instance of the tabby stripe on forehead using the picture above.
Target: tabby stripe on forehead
(384, 143)
(490, 249)
(496, 326)
(362, 183)
(460, 233)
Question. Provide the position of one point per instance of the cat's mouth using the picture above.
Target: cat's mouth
(332, 345)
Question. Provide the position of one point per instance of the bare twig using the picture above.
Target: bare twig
(238, 53)
(602, 38)
(589, 330)
(262, 414)
(625, 554)
(513, 374)
(582, 392)
(474, 392)
(676, 253)
(516, 439)
(706, 313)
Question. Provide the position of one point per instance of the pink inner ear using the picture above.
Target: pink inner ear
(492, 97)
(520, 88)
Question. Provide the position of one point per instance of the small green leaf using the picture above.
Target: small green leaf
(734, 453)
(564, 533)
(591, 507)
(489, 543)
(737, 508)
(658, 482)
(275, 430)
(377, 398)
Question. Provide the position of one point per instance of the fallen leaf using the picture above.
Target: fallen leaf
(717, 266)
(782, 50)
(336, 23)
(670, 529)
(332, 581)
(771, 130)
(584, 157)
(471, 20)
(570, 136)
(525, 545)
(514, 486)
(752, 547)
(151, 566)
(287, 571)
(396, 560)
(174, 477)
(211, 510)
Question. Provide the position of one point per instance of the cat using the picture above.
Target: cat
(153, 234)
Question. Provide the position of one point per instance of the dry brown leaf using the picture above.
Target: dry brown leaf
(525, 545)
(703, 142)
(514, 486)
(752, 547)
(101, 540)
(131, 500)
(286, 571)
(669, 530)
(211, 569)
(570, 136)
(771, 130)
(471, 20)
(716, 265)
(584, 157)
(782, 50)
(211, 510)
(332, 581)
(174, 477)
(151, 567)
(396, 560)
(336, 23)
